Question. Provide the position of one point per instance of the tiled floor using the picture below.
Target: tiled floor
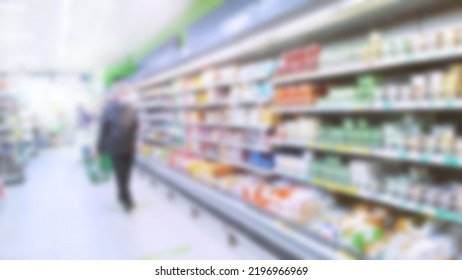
(58, 214)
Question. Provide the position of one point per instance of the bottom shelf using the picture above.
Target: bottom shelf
(288, 241)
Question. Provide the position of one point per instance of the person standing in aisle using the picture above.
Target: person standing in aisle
(117, 138)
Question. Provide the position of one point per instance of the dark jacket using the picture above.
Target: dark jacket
(118, 129)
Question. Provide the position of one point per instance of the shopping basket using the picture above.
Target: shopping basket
(98, 169)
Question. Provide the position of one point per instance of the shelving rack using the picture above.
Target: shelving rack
(11, 162)
(297, 244)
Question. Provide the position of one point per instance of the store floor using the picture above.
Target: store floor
(58, 214)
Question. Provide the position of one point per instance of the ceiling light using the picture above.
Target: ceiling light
(64, 23)
(13, 7)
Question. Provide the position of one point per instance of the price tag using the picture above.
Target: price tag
(365, 194)
(449, 216)
(403, 155)
(359, 108)
(424, 158)
(350, 190)
(322, 146)
(339, 148)
(407, 204)
(402, 202)
(420, 208)
(410, 57)
(348, 149)
(387, 106)
(451, 161)
(326, 184)
(317, 181)
(430, 211)
(335, 186)
(431, 104)
(388, 199)
(363, 151)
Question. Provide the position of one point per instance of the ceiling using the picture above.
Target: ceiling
(78, 35)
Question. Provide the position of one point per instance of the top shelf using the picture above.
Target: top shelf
(167, 91)
(372, 66)
(338, 71)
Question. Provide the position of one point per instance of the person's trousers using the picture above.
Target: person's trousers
(122, 168)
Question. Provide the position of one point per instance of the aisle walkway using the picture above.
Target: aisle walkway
(58, 214)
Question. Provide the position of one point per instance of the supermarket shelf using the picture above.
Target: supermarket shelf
(220, 104)
(330, 186)
(256, 148)
(396, 202)
(170, 91)
(209, 105)
(251, 168)
(228, 125)
(382, 107)
(379, 65)
(153, 105)
(238, 164)
(281, 237)
(449, 161)
(156, 120)
(234, 144)
(244, 166)
(165, 142)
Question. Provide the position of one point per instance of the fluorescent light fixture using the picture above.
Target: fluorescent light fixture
(64, 24)
(12, 7)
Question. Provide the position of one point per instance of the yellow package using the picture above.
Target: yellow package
(453, 82)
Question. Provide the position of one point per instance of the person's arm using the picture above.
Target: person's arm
(103, 133)
(135, 128)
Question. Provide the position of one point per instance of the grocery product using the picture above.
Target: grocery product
(294, 165)
(300, 60)
(302, 129)
(299, 95)
(260, 160)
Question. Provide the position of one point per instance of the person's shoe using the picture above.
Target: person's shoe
(128, 207)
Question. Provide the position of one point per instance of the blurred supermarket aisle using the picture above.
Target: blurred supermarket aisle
(58, 214)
